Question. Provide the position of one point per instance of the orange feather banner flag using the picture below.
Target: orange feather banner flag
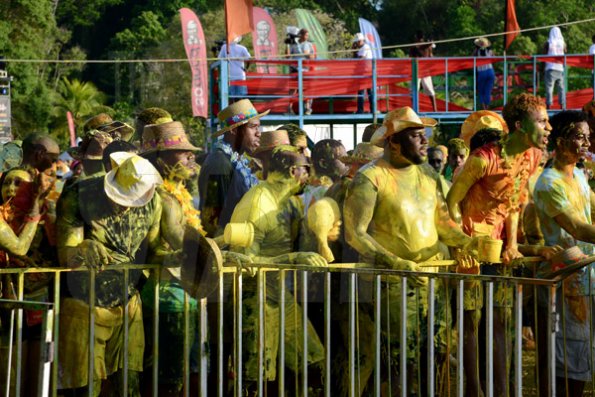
(511, 25)
(238, 18)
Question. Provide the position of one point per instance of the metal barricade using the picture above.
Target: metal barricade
(356, 315)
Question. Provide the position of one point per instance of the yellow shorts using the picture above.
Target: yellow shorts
(73, 347)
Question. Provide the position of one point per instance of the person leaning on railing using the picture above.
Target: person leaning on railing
(103, 221)
(276, 213)
(20, 217)
(564, 202)
(396, 218)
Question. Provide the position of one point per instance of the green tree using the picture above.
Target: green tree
(82, 99)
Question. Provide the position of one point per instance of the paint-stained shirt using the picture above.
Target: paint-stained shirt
(404, 220)
(496, 188)
(122, 231)
(554, 194)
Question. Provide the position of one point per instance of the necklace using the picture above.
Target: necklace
(183, 197)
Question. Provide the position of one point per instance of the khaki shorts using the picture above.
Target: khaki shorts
(73, 348)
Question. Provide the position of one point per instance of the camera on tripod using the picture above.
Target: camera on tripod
(292, 34)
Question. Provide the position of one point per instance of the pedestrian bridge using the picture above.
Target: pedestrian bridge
(333, 86)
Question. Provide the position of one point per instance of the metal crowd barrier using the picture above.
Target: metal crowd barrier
(231, 290)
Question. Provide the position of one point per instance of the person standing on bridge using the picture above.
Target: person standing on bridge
(554, 71)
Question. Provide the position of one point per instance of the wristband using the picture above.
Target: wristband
(35, 218)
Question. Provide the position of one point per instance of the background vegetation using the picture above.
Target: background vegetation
(140, 29)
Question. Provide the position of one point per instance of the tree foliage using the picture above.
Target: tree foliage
(127, 29)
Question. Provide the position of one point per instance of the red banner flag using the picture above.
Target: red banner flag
(511, 25)
(238, 18)
(196, 51)
(264, 39)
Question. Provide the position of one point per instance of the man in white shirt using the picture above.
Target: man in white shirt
(237, 66)
(363, 51)
(592, 48)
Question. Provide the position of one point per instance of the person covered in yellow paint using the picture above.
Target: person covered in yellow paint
(396, 218)
(167, 147)
(487, 196)
(105, 221)
(328, 168)
(276, 213)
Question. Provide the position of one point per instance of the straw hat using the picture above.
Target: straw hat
(132, 180)
(482, 42)
(480, 120)
(165, 136)
(97, 121)
(271, 139)
(118, 130)
(364, 153)
(398, 120)
(237, 114)
(91, 146)
(358, 37)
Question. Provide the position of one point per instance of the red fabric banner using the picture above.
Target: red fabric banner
(264, 39)
(196, 51)
(71, 129)
(511, 24)
(238, 18)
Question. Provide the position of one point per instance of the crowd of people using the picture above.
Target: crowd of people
(138, 195)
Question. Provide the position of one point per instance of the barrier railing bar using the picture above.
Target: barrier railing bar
(552, 321)
(220, 363)
(186, 345)
(403, 339)
(203, 343)
(19, 356)
(126, 321)
(431, 292)
(260, 288)
(327, 334)
(377, 333)
(91, 340)
(352, 336)
(460, 324)
(305, 333)
(490, 339)
(56, 331)
(281, 359)
(238, 363)
(518, 341)
(155, 374)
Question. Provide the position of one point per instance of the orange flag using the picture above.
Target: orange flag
(238, 18)
(511, 25)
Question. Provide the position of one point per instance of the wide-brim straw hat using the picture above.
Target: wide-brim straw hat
(399, 120)
(132, 180)
(237, 114)
(482, 119)
(97, 121)
(118, 130)
(166, 136)
(363, 153)
(91, 146)
(270, 140)
(482, 42)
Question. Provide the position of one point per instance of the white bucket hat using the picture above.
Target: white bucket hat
(132, 180)
(359, 37)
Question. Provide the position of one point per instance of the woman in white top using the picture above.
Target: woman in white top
(554, 72)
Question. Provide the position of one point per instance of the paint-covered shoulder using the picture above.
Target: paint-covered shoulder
(427, 170)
